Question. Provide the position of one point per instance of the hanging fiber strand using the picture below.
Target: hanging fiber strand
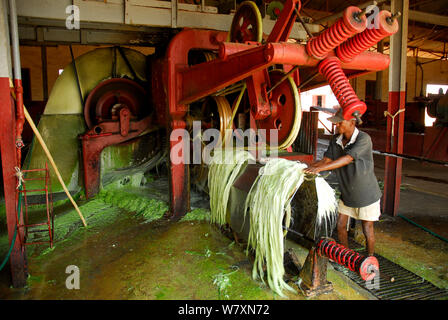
(268, 204)
(326, 206)
(223, 170)
(267, 201)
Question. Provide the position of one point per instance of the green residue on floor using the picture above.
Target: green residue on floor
(198, 214)
(128, 252)
(149, 209)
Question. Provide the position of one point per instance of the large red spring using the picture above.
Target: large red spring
(366, 267)
(340, 254)
(383, 26)
(347, 26)
(346, 96)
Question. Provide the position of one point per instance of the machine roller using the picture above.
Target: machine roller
(301, 224)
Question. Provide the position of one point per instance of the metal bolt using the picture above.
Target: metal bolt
(359, 15)
(394, 16)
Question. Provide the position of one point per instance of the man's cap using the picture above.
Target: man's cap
(337, 117)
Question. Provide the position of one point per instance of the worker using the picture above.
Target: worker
(350, 155)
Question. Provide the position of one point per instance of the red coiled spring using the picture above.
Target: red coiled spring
(346, 96)
(340, 254)
(385, 27)
(347, 26)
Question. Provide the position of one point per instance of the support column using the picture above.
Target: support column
(8, 152)
(379, 75)
(397, 100)
(43, 50)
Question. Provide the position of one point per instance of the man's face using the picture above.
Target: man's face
(345, 126)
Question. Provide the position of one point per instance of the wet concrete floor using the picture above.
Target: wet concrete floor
(122, 255)
(128, 258)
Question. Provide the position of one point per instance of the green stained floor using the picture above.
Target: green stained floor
(129, 251)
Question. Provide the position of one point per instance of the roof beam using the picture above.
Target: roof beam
(414, 15)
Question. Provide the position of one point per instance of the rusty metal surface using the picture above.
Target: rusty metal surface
(93, 143)
(314, 275)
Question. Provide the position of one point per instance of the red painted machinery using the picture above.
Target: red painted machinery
(335, 55)
(115, 112)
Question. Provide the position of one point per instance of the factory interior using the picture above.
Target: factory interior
(158, 150)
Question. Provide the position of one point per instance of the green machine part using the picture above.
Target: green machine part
(63, 118)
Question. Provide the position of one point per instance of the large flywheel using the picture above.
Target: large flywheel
(286, 111)
(247, 24)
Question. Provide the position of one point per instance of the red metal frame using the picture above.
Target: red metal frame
(111, 112)
(185, 84)
(393, 166)
(9, 162)
(101, 136)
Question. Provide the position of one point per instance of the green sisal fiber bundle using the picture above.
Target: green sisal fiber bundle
(326, 206)
(223, 170)
(266, 203)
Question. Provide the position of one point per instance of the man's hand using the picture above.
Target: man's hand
(313, 170)
(327, 164)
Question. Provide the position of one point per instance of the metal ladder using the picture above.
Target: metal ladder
(37, 175)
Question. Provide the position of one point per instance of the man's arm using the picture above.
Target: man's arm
(327, 164)
(324, 160)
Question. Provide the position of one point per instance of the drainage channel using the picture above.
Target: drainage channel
(396, 283)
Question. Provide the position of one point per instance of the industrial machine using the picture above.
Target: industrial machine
(272, 69)
(302, 227)
(268, 66)
(103, 99)
(228, 80)
(115, 99)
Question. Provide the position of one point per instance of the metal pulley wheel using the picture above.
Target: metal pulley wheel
(286, 111)
(217, 114)
(110, 96)
(247, 24)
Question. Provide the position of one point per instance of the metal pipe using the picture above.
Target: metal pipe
(403, 156)
(43, 50)
(15, 39)
(20, 116)
(8, 156)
